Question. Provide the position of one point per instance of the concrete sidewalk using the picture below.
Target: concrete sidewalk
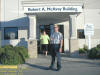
(70, 66)
(47, 59)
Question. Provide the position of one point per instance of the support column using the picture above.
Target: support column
(73, 36)
(0, 24)
(32, 27)
(32, 42)
(73, 30)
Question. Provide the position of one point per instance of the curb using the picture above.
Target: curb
(8, 67)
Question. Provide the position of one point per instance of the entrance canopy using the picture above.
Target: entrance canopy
(55, 17)
(51, 10)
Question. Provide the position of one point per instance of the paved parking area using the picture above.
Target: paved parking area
(70, 66)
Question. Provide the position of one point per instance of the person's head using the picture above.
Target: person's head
(56, 28)
(44, 32)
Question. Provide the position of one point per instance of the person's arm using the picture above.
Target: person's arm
(48, 38)
(61, 43)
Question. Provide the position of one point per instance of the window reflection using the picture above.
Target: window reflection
(11, 33)
(80, 34)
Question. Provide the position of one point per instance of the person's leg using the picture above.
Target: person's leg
(52, 61)
(53, 54)
(46, 50)
(51, 67)
(58, 60)
(58, 57)
(46, 53)
(43, 48)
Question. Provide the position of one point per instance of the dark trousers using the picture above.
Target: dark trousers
(55, 52)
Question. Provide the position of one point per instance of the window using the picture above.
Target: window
(10, 33)
(80, 34)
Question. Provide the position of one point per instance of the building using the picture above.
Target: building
(22, 20)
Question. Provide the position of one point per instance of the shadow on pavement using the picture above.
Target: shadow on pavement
(38, 66)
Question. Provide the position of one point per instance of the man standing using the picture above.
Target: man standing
(56, 40)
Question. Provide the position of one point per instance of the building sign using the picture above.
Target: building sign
(53, 9)
(89, 29)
